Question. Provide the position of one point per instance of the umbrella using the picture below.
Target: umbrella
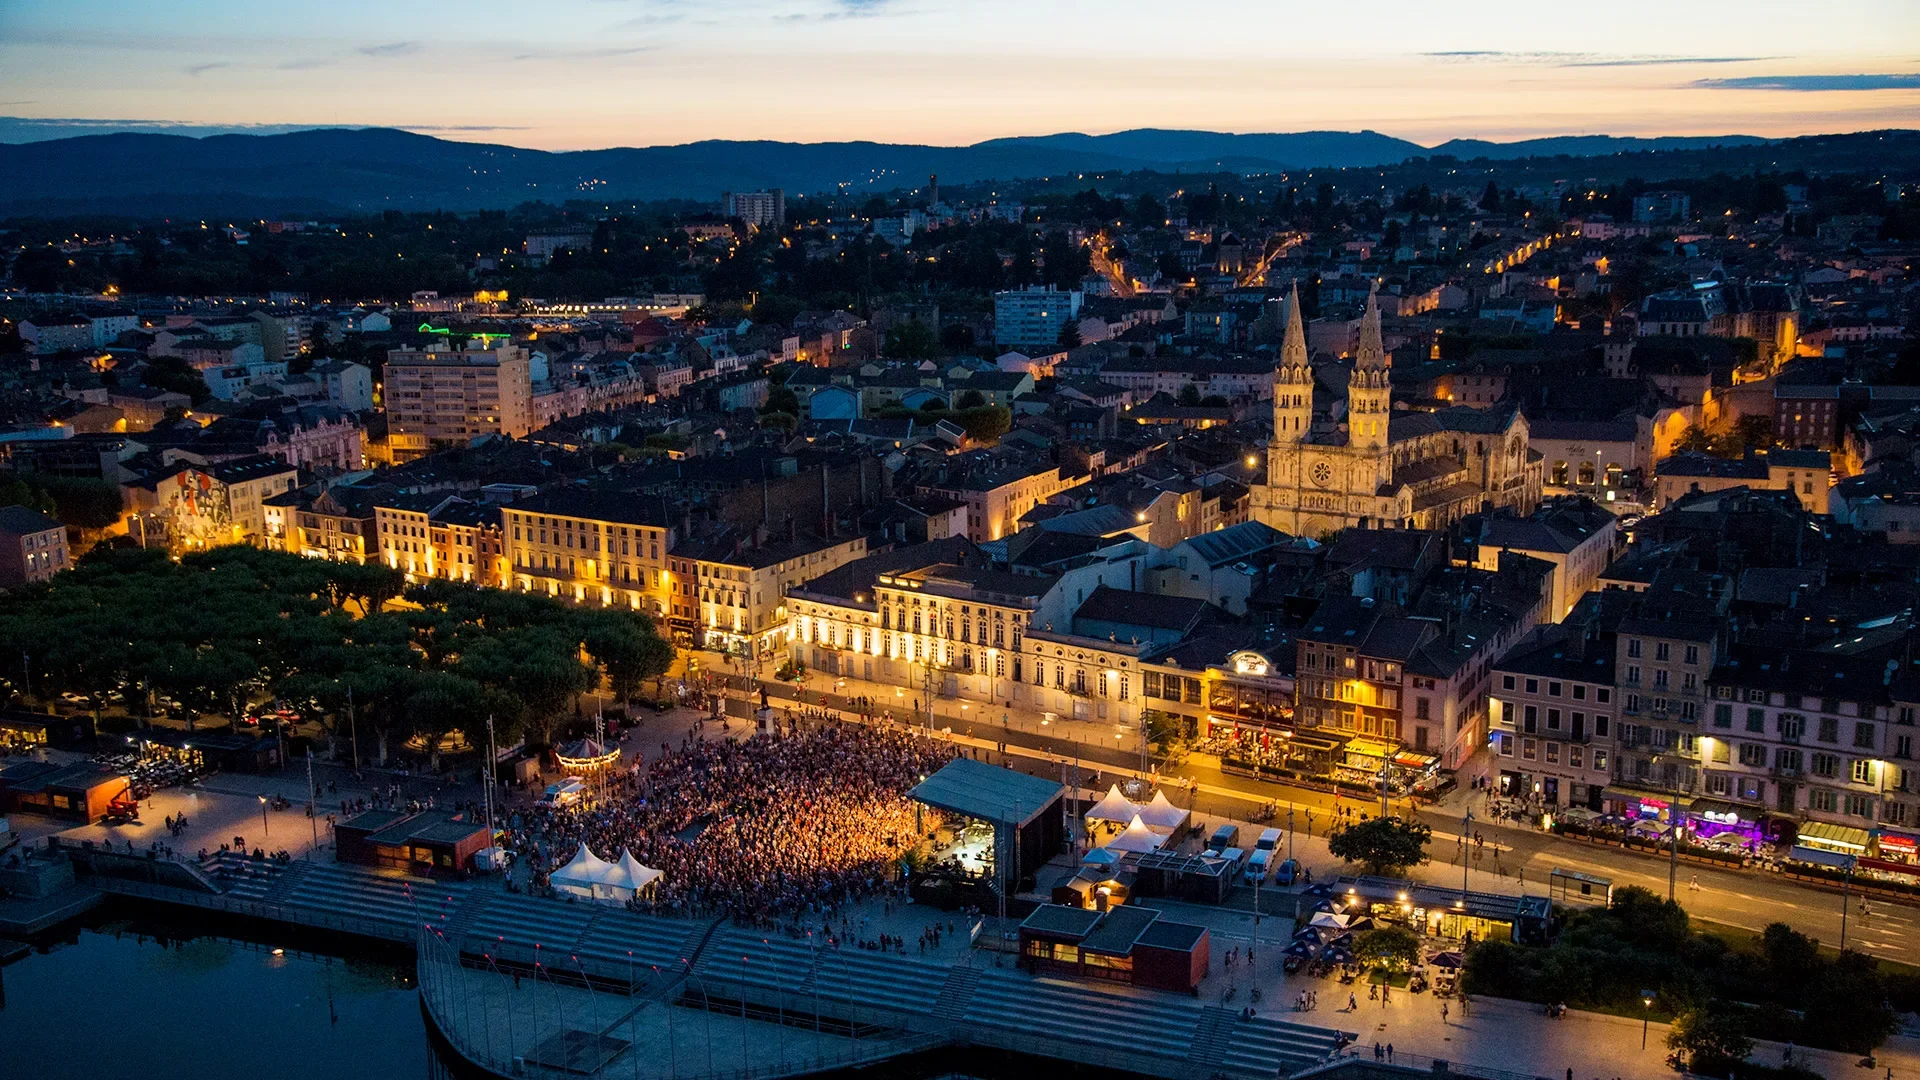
(1310, 933)
(1340, 956)
(1362, 922)
(1330, 919)
(1344, 941)
(1448, 960)
(1298, 948)
(1322, 889)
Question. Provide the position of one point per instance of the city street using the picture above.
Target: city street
(1515, 858)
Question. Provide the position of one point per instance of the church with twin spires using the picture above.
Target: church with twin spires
(1367, 465)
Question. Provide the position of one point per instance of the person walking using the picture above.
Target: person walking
(1443, 1014)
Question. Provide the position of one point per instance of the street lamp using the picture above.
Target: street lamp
(264, 830)
(1646, 1001)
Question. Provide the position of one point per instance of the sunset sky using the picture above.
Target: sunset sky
(573, 74)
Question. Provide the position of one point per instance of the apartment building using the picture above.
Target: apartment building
(997, 494)
(442, 397)
(1662, 667)
(33, 546)
(1033, 317)
(441, 536)
(590, 547)
(1552, 709)
(729, 591)
(1577, 536)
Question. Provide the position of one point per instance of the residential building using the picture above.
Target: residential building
(1806, 473)
(441, 536)
(759, 209)
(1033, 318)
(442, 397)
(591, 547)
(730, 590)
(1553, 710)
(1577, 536)
(33, 546)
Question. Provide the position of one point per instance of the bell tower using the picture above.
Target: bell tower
(1293, 379)
(1369, 389)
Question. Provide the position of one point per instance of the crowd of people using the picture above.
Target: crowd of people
(760, 829)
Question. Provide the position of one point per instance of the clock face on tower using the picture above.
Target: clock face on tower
(1322, 473)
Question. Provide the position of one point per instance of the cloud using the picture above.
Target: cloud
(585, 54)
(304, 65)
(198, 70)
(392, 48)
(1579, 59)
(1812, 83)
(838, 10)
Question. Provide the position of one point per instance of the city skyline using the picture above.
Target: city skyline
(596, 73)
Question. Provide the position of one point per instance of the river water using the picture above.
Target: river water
(132, 994)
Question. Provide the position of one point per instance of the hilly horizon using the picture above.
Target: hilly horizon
(360, 169)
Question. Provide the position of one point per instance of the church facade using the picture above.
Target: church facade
(1384, 469)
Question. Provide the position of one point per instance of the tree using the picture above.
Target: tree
(1490, 198)
(1189, 395)
(969, 399)
(1710, 1037)
(1069, 335)
(1383, 845)
(1394, 948)
(911, 339)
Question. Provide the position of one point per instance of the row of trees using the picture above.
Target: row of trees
(220, 630)
(1722, 994)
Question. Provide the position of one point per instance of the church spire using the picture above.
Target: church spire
(1293, 349)
(1372, 355)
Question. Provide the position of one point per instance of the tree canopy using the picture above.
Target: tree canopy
(1385, 845)
(221, 629)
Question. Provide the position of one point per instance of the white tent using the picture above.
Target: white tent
(586, 875)
(639, 878)
(1161, 815)
(1331, 921)
(1113, 806)
(1135, 837)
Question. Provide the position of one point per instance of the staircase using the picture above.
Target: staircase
(951, 1005)
(1212, 1037)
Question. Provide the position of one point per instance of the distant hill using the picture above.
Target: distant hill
(377, 168)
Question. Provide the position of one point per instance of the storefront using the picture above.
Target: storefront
(1439, 912)
(25, 732)
(1367, 761)
(1719, 817)
(1636, 805)
(1894, 846)
(1838, 839)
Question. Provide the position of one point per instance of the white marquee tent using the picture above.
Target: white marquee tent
(1161, 815)
(1113, 807)
(1135, 837)
(590, 877)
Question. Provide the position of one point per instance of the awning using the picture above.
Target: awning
(1841, 838)
(1801, 853)
(1407, 759)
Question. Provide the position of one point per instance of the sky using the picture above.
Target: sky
(580, 74)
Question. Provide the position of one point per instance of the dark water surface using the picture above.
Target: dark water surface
(138, 993)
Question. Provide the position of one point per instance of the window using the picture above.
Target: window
(1599, 761)
(1756, 719)
(1633, 674)
(1633, 648)
(1827, 765)
(1422, 709)
(1533, 686)
(1792, 727)
(1829, 729)
(1903, 746)
(1693, 654)
(1633, 703)
(1662, 651)
(1599, 726)
(1723, 716)
(1553, 689)
(1530, 718)
(1604, 695)
(1863, 771)
(1859, 806)
(1506, 682)
(1863, 736)
(1753, 755)
(1660, 678)
(1821, 799)
(1553, 719)
(1786, 760)
(1529, 749)
(1719, 784)
(1553, 753)
(1579, 692)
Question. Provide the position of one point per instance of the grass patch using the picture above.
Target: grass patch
(1741, 936)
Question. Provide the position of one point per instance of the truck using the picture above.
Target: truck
(1224, 837)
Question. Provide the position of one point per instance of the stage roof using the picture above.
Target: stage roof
(988, 792)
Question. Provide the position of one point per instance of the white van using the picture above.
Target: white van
(1257, 866)
(1232, 856)
(565, 793)
(1269, 839)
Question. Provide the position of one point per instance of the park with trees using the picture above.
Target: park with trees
(350, 649)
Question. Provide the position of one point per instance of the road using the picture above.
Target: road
(1524, 857)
